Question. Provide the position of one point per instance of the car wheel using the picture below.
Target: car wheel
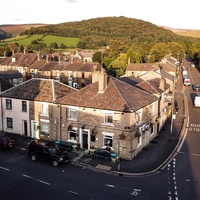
(55, 163)
(33, 157)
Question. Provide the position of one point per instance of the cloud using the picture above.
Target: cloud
(72, 1)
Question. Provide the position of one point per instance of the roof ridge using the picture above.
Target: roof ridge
(126, 102)
(149, 85)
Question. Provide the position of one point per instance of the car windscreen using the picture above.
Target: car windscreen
(54, 150)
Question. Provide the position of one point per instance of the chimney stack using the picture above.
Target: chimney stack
(95, 74)
(162, 83)
(25, 50)
(39, 56)
(102, 81)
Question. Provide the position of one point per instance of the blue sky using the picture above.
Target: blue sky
(171, 13)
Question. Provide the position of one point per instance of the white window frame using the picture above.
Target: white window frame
(8, 104)
(70, 74)
(24, 106)
(109, 136)
(108, 114)
(72, 110)
(43, 128)
(74, 130)
(75, 85)
(45, 109)
(9, 122)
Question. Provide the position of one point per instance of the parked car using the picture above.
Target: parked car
(38, 149)
(197, 101)
(196, 87)
(186, 81)
(6, 142)
(64, 146)
(101, 153)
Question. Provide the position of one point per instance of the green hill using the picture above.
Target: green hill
(27, 40)
(99, 31)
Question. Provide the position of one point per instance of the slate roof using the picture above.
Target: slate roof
(82, 67)
(150, 67)
(38, 64)
(118, 96)
(88, 67)
(48, 66)
(5, 75)
(20, 59)
(39, 90)
(5, 61)
(151, 86)
(73, 67)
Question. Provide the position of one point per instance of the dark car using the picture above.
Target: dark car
(44, 150)
(196, 87)
(6, 142)
(101, 153)
(64, 146)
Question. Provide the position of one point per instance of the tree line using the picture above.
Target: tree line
(117, 39)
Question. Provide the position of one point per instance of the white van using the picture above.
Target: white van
(186, 81)
(197, 101)
(184, 73)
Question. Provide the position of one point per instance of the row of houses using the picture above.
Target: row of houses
(71, 69)
(125, 113)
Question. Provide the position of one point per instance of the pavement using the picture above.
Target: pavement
(152, 159)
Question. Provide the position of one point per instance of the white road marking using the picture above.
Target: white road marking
(72, 192)
(110, 185)
(4, 168)
(26, 176)
(41, 181)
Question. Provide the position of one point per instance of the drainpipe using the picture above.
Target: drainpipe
(60, 122)
(2, 115)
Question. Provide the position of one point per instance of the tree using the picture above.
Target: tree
(107, 61)
(176, 50)
(159, 51)
(195, 51)
(120, 62)
(132, 56)
(53, 45)
(63, 46)
(98, 57)
(115, 48)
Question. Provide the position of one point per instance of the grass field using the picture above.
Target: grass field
(25, 40)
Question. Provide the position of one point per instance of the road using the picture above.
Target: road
(23, 179)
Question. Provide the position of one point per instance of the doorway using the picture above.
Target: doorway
(34, 129)
(84, 139)
(25, 127)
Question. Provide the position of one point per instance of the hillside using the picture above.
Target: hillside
(99, 32)
(15, 30)
(185, 32)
